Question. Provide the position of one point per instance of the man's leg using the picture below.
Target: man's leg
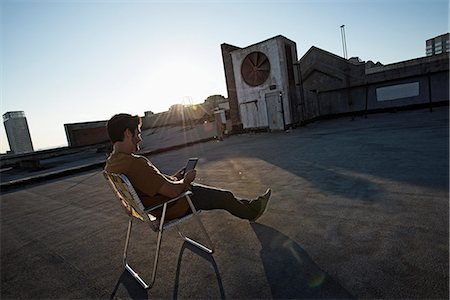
(208, 198)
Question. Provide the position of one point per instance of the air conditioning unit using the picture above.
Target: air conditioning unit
(265, 83)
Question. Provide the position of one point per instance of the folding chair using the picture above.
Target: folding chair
(135, 209)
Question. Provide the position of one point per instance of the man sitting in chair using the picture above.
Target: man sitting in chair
(154, 187)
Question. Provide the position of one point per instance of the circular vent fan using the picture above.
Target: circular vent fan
(255, 68)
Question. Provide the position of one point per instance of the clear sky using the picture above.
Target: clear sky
(74, 61)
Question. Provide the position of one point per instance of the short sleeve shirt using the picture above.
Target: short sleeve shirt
(147, 180)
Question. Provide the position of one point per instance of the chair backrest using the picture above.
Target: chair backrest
(124, 190)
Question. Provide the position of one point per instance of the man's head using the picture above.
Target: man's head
(124, 128)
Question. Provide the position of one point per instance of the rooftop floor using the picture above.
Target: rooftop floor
(359, 209)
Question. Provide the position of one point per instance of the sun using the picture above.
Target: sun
(177, 80)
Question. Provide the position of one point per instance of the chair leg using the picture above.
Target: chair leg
(195, 243)
(155, 263)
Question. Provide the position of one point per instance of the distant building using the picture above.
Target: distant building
(437, 45)
(17, 131)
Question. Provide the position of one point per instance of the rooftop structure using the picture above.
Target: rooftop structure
(437, 45)
(16, 127)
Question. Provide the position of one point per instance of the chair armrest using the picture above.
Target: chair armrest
(182, 195)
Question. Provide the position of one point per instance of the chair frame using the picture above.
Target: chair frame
(134, 208)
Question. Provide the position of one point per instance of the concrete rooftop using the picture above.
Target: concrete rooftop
(360, 209)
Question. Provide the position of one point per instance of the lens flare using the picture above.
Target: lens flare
(316, 280)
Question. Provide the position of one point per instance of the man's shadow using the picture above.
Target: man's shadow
(290, 272)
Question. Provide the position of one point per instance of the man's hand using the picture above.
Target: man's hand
(172, 188)
(189, 176)
(180, 173)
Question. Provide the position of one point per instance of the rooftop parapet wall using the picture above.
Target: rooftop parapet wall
(409, 68)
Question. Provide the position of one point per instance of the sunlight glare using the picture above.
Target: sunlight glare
(173, 77)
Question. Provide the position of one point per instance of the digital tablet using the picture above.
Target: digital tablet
(192, 162)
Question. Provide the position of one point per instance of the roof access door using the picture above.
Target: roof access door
(275, 115)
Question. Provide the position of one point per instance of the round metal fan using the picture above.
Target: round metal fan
(255, 68)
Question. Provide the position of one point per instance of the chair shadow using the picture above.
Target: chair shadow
(290, 271)
(134, 289)
(205, 256)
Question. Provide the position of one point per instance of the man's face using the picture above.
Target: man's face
(136, 139)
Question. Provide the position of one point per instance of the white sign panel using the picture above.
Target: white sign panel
(398, 91)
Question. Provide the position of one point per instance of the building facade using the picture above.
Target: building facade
(437, 45)
(17, 131)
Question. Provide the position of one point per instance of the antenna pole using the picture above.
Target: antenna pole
(344, 42)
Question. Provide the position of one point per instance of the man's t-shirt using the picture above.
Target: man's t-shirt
(146, 180)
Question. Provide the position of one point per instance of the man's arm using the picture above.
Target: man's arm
(177, 176)
(172, 188)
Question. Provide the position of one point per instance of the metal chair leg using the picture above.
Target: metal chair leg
(199, 222)
(155, 263)
(197, 244)
(141, 281)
